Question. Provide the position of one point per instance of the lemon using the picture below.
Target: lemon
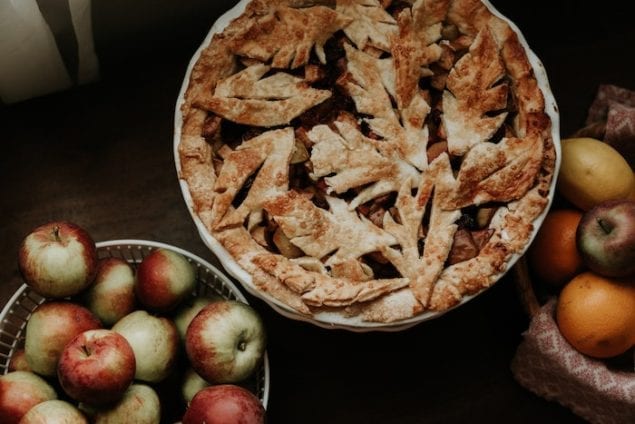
(592, 172)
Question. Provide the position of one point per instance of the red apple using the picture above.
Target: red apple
(58, 259)
(224, 404)
(140, 404)
(19, 392)
(54, 411)
(96, 367)
(111, 296)
(225, 341)
(606, 238)
(154, 341)
(51, 326)
(164, 279)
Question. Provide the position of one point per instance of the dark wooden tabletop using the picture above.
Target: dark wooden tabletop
(101, 155)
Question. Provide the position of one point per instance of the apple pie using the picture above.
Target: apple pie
(378, 159)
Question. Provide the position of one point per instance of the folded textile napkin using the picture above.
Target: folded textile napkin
(545, 363)
(611, 118)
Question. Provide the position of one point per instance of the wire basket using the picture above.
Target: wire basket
(210, 283)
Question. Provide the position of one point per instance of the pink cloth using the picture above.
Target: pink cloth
(611, 118)
(546, 364)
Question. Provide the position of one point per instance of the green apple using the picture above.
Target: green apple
(54, 411)
(111, 296)
(155, 342)
(140, 405)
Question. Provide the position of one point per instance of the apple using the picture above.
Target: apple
(96, 367)
(58, 259)
(154, 341)
(51, 326)
(112, 296)
(164, 279)
(225, 341)
(18, 361)
(606, 238)
(54, 411)
(192, 384)
(19, 392)
(140, 404)
(225, 403)
(187, 311)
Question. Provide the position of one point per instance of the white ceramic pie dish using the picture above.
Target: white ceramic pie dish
(334, 320)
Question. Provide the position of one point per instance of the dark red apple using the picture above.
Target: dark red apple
(606, 238)
(224, 404)
(164, 279)
(111, 296)
(19, 392)
(58, 259)
(96, 367)
(51, 326)
(225, 341)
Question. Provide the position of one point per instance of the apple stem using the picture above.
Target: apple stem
(242, 346)
(86, 350)
(605, 226)
(56, 233)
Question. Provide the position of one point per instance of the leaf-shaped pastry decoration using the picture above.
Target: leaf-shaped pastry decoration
(347, 159)
(318, 289)
(510, 230)
(423, 270)
(336, 292)
(247, 98)
(472, 94)
(371, 24)
(318, 232)
(404, 138)
(365, 84)
(269, 154)
(287, 36)
(411, 209)
(428, 16)
(414, 48)
(350, 158)
(408, 139)
(499, 172)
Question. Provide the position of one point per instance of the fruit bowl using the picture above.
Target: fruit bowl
(325, 317)
(210, 282)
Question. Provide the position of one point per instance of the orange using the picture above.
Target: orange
(553, 256)
(596, 315)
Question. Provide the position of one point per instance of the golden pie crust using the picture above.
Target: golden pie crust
(380, 159)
